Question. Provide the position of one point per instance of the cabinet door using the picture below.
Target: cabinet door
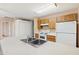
(60, 19)
(71, 17)
(51, 38)
(67, 18)
(6, 29)
(36, 35)
(44, 21)
(52, 23)
(39, 24)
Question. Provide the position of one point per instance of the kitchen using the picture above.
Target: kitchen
(42, 29)
(56, 28)
(58, 31)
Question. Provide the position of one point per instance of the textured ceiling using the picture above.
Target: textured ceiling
(28, 10)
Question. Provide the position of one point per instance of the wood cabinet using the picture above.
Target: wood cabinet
(62, 18)
(36, 35)
(39, 24)
(67, 18)
(51, 38)
(44, 21)
(71, 17)
(52, 23)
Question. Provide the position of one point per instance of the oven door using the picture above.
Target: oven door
(43, 37)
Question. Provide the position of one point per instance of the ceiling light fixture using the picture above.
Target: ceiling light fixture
(45, 8)
(55, 4)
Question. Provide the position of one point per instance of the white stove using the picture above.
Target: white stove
(42, 35)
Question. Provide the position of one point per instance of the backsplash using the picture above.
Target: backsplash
(48, 31)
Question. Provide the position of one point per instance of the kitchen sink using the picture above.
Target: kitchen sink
(34, 42)
(38, 42)
(28, 40)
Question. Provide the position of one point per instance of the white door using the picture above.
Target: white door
(23, 28)
(5, 29)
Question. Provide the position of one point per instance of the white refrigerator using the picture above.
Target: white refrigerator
(66, 33)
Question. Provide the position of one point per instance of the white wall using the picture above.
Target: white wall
(23, 28)
(5, 13)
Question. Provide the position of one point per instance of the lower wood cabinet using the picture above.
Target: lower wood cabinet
(51, 38)
(36, 35)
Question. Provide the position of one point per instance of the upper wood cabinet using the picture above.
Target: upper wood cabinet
(40, 22)
(62, 18)
(67, 18)
(71, 17)
(52, 23)
(44, 21)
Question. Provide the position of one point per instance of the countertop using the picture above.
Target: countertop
(53, 33)
(14, 46)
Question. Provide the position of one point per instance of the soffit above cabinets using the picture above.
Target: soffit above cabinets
(31, 10)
